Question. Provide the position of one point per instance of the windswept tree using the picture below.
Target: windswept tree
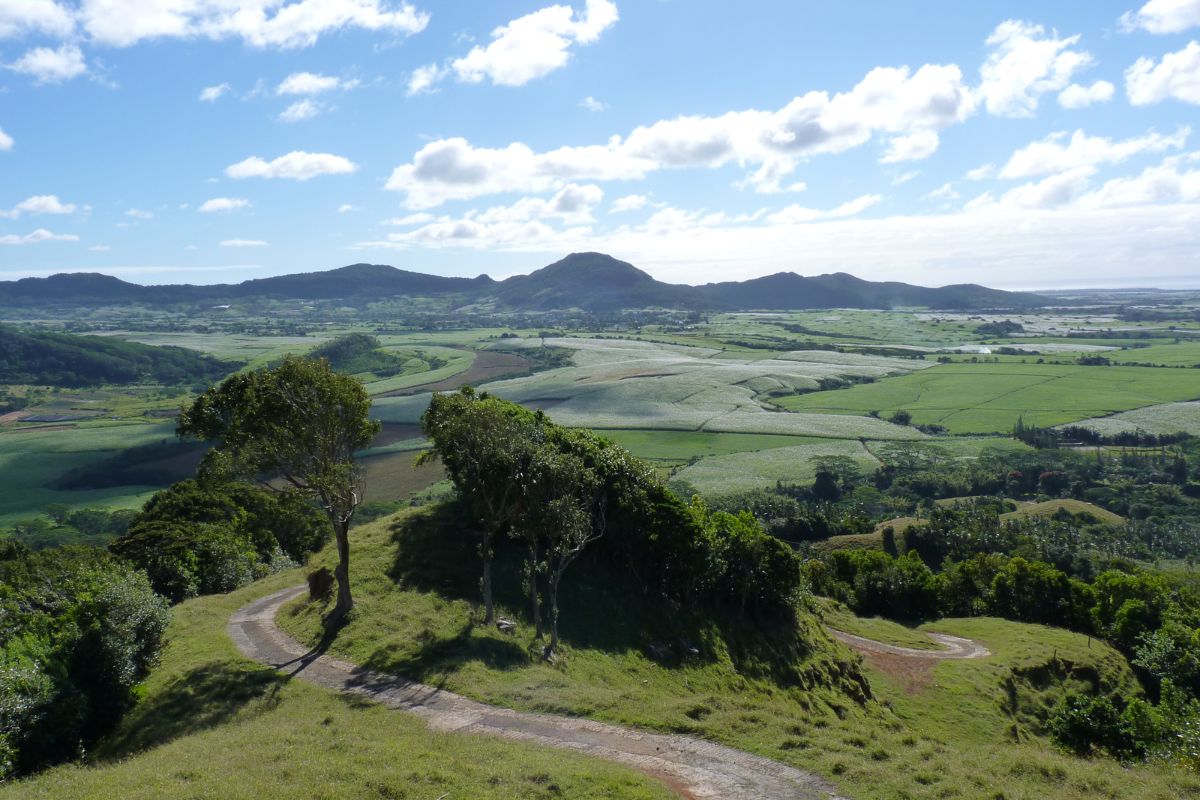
(301, 423)
(486, 445)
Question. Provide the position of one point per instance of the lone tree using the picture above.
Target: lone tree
(300, 422)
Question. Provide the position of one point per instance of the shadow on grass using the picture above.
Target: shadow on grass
(201, 698)
(435, 658)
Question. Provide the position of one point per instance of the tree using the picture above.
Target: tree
(299, 422)
(486, 445)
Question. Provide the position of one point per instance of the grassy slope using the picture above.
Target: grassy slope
(1049, 507)
(214, 725)
(954, 738)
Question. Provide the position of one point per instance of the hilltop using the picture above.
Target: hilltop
(590, 281)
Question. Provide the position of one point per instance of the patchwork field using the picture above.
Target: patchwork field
(988, 398)
(629, 384)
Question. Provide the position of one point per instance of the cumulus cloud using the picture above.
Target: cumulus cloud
(944, 192)
(223, 205)
(296, 165)
(1176, 76)
(242, 243)
(46, 65)
(892, 101)
(37, 236)
(592, 104)
(1076, 96)
(981, 173)
(309, 83)
(39, 204)
(630, 202)
(1169, 182)
(210, 94)
(911, 147)
(1058, 153)
(6, 141)
(300, 111)
(1025, 63)
(258, 23)
(524, 49)
(346, 208)
(1163, 16)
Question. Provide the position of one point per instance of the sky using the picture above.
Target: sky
(1015, 144)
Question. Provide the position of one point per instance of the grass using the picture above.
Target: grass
(740, 472)
(31, 459)
(837, 615)
(1050, 507)
(967, 732)
(1165, 418)
(988, 398)
(212, 724)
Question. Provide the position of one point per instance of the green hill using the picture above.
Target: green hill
(64, 359)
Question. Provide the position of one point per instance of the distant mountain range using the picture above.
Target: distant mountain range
(589, 281)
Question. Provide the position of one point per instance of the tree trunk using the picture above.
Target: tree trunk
(553, 646)
(489, 608)
(342, 571)
(534, 600)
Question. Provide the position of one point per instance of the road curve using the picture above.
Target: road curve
(956, 646)
(694, 768)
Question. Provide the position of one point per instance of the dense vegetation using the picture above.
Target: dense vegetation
(361, 352)
(207, 536)
(78, 631)
(574, 489)
(64, 359)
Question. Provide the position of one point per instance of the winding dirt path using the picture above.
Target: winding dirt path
(956, 646)
(696, 769)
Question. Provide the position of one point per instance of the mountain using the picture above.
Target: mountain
(590, 281)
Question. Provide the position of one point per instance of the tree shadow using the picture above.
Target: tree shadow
(202, 698)
(436, 658)
(433, 554)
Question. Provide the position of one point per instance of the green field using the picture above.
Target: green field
(988, 398)
(961, 734)
(212, 724)
(1165, 418)
(741, 472)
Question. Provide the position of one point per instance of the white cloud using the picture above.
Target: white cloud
(6, 141)
(51, 66)
(39, 204)
(592, 104)
(99, 248)
(911, 147)
(944, 192)
(138, 213)
(888, 100)
(39, 235)
(1024, 64)
(423, 79)
(1058, 189)
(1163, 16)
(310, 83)
(904, 178)
(1176, 76)
(297, 165)
(630, 202)
(1057, 153)
(794, 214)
(1076, 96)
(221, 205)
(259, 23)
(1168, 182)
(346, 208)
(981, 173)
(243, 243)
(20, 17)
(534, 45)
(211, 94)
(300, 111)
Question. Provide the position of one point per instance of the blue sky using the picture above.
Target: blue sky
(1017, 144)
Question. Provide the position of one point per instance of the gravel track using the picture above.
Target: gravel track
(693, 768)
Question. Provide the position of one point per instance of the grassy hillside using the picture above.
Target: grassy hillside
(63, 359)
(212, 724)
(970, 730)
